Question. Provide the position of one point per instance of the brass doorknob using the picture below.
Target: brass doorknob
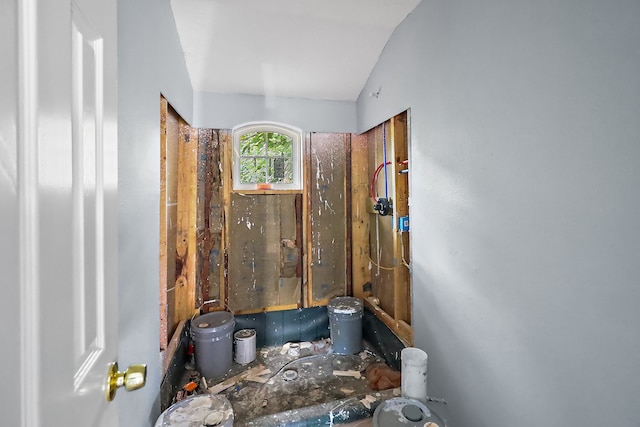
(132, 379)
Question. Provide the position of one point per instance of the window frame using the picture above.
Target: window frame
(297, 137)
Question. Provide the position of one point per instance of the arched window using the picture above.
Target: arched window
(267, 156)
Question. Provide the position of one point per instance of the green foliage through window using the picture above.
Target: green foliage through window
(266, 157)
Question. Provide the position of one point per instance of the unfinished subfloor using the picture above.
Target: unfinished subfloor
(284, 385)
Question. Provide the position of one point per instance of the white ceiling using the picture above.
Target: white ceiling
(316, 49)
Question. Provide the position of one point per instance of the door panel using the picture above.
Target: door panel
(67, 162)
(9, 202)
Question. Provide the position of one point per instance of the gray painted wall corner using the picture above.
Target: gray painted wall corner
(523, 184)
(151, 63)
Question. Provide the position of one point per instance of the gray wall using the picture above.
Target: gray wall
(525, 199)
(9, 218)
(150, 63)
(224, 111)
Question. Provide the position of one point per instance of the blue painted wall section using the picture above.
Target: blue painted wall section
(279, 327)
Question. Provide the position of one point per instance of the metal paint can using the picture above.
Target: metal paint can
(245, 346)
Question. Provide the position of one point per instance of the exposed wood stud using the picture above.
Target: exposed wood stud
(399, 327)
(204, 232)
(299, 236)
(226, 148)
(186, 246)
(307, 279)
(164, 327)
(349, 215)
(402, 293)
(170, 265)
(361, 274)
(215, 216)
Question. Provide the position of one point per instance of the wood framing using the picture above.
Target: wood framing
(380, 251)
(268, 309)
(186, 245)
(348, 215)
(216, 221)
(226, 151)
(164, 333)
(402, 329)
(360, 195)
(401, 279)
(366, 258)
(169, 153)
(307, 280)
(204, 216)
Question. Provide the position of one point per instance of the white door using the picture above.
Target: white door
(59, 174)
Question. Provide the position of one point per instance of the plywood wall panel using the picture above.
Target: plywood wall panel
(328, 213)
(260, 228)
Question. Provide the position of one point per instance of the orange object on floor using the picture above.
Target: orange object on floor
(382, 377)
(190, 386)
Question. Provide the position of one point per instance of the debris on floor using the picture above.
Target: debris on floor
(201, 410)
(351, 373)
(295, 377)
(230, 382)
(194, 381)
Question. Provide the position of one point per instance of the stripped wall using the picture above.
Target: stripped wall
(263, 251)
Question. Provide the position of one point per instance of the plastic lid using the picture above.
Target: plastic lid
(214, 322)
(345, 305)
(405, 412)
(412, 413)
(244, 333)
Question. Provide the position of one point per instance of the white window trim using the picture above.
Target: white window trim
(298, 149)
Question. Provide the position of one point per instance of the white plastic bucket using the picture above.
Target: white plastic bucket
(245, 346)
(414, 374)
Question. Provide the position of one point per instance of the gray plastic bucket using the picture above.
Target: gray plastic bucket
(345, 324)
(212, 333)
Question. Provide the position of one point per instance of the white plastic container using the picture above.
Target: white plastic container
(414, 374)
(245, 346)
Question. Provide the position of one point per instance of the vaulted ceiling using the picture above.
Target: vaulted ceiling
(315, 49)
